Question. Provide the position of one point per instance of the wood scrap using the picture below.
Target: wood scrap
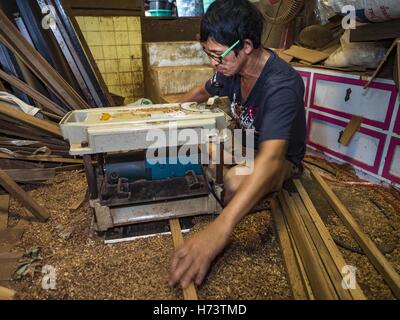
(40, 124)
(4, 206)
(6, 294)
(40, 158)
(16, 191)
(190, 292)
(305, 54)
(37, 96)
(352, 127)
(391, 277)
(31, 175)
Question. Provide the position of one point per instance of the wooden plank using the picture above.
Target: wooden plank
(16, 191)
(337, 257)
(395, 43)
(293, 272)
(376, 31)
(319, 280)
(190, 292)
(303, 272)
(25, 175)
(352, 127)
(305, 54)
(4, 206)
(6, 294)
(391, 277)
(37, 96)
(43, 125)
(327, 260)
(41, 158)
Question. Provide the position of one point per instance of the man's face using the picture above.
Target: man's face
(230, 65)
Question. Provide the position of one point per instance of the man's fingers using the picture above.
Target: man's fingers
(189, 276)
(202, 273)
(178, 254)
(176, 274)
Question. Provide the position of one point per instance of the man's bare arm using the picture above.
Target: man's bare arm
(197, 94)
(265, 178)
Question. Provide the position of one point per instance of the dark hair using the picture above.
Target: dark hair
(227, 21)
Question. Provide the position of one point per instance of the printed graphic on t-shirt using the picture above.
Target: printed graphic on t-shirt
(247, 116)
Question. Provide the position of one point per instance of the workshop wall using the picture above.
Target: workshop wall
(116, 45)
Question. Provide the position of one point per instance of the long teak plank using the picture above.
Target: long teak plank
(24, 198)
(337, 257)
(391, 277)
(190, 292)
(293, 271)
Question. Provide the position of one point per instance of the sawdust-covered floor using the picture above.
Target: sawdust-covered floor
(250, 268)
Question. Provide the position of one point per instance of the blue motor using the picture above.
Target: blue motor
(135, 166)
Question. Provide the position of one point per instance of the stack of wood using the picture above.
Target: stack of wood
(32, 149)
(315, 267)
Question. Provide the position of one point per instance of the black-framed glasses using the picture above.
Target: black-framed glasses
(219, 58)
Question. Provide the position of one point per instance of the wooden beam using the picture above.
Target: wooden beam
(391, 277)
(337, 257)
(35, 95)
(352, 127)
(376, 31)
(39, 158)
(6, 294)
(30, 175)
(293, 271)
(190, 292)
(4, 206)
(17, 192)
(319, 280)
(43, 125)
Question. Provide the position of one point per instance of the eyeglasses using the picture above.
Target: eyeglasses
(221, 57)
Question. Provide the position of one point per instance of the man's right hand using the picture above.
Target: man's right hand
(192, 260)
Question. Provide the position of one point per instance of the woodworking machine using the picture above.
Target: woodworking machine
(126, 185)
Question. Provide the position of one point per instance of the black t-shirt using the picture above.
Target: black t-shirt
(274, 107)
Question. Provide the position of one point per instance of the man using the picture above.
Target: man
(268, 95)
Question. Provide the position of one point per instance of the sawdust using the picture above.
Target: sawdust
(250, 268)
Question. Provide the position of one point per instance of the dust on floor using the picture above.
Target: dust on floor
(250, 268)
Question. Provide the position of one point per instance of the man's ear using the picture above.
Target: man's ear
(248, 46)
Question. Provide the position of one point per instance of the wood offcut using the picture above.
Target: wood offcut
(190, 292)
(27, 201)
